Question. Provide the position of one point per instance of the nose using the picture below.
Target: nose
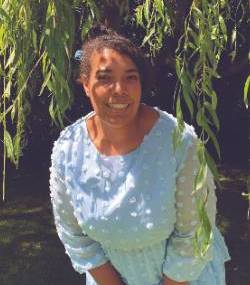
(120, 88)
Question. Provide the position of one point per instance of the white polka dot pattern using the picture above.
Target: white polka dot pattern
(130, 215)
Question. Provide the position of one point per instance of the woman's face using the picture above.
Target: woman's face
(114, 87)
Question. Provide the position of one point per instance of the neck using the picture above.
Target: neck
(113, 141)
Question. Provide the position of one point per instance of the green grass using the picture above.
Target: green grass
(30, 251)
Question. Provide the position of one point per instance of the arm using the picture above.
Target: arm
(106, 275)
(85, 253)
(167, 281)
(181, 263)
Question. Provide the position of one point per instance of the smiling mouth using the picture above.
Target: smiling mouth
(118, 106)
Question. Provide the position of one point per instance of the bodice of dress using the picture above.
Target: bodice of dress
(129, 209)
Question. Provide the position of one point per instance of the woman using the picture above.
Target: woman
(122, 197)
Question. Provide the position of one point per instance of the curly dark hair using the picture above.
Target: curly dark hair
(101, 37)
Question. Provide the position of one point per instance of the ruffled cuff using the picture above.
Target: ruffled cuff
(181, 267)
(84, 253)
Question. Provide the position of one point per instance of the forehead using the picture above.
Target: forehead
(107, 58)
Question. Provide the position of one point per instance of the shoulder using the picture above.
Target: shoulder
(68, 134)
(169, 123)
(64, 143)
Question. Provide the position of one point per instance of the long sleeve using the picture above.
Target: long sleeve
(84, 253)
(181, 263)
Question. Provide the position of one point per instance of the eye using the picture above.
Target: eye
(132, 77)
(104, 78)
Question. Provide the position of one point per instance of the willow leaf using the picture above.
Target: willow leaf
(223, 27)
(246, 91)
(34, 40)
(213, 114)
(214, 99)
(159, 5)
(9, 145)
(148, 36)
(13, 112)
(211, 136)
(178, 67)
(201, 175)
(10, 59)
(7, 90)
(45, 83)
(207, 229)
(187, 92)
(146, 8)
(200, 178)
(211, 164)
(4, 16)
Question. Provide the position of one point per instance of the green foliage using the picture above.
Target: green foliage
(38, 36)
(197, 57)
(154, 17)
(35, 36)
(246, 88)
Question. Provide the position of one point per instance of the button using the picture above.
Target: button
(97, 172)
(121, 173)
(149, 226)
(103, 218)
(79, 196)
(107, 186)
(132, 200)
(106, 174)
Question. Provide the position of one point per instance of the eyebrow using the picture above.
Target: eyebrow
(110, 71)
(104, 71)
(132, 70)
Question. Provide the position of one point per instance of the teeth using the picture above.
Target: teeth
(118, 106)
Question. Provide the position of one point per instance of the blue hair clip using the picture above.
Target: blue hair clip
(78, 55)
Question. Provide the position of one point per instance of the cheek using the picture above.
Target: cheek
(136, 90)
(101, 91)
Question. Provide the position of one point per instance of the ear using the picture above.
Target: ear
(85, 83)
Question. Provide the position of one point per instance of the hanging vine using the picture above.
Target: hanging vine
(155, 18)
(38, 36)
(197, 57)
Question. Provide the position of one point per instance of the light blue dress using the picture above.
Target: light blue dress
(135, 210)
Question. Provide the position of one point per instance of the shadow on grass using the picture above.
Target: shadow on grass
(30, 251)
